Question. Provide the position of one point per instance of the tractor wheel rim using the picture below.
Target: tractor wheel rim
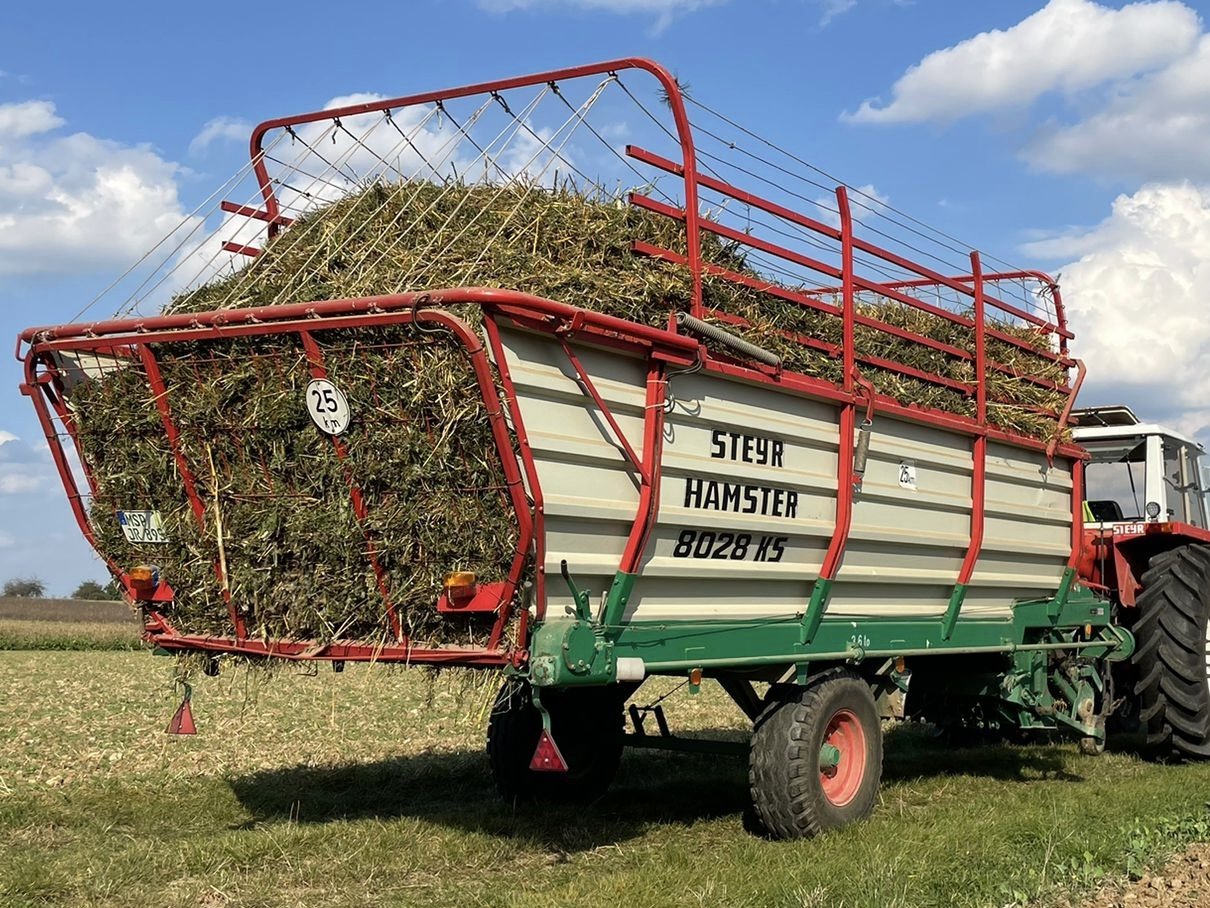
(1208, 652)
(840, 783)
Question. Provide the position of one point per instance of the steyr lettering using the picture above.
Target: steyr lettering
(764, 452)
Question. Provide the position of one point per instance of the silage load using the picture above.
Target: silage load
(277, 516)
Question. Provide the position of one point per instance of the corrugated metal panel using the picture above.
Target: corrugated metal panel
(749, 495)
(1027, 531)
(911, 523)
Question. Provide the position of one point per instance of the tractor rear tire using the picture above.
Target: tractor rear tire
(587, 725)
(795, 793)
(1172, 659)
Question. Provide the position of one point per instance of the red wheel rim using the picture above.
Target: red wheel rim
(841, 782)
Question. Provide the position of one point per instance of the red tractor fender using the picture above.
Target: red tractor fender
(1114, 558)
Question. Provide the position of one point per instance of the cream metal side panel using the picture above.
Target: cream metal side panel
(748, 498)
(590, 491)
(911, 523)
(747, 505)
(1027, 530)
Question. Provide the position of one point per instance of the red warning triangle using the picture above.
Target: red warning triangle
(547, 757)
(182, 721)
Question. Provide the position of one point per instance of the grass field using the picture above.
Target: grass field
(369, 788)
(67, 624)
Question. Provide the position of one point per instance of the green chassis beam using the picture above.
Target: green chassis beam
(565, 651)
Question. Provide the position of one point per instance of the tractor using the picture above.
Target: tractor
(1147, 547)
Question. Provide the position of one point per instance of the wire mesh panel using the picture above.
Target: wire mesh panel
(393, 195)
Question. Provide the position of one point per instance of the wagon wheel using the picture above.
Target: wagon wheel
(816, 757)
(1172, 659)
(587, 725)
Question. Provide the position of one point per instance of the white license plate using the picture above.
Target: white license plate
(142, 526)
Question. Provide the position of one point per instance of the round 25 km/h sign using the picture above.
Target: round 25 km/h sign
(327, 406)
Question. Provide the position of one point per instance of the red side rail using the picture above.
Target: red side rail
(661, 348)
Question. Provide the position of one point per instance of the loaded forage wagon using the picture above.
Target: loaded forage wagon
(569, 375)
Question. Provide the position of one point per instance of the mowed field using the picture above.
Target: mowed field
(370, 787)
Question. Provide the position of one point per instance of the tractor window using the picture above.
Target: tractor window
(1120, 483)
(1184, 496)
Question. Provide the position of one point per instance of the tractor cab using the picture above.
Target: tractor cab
(1142, 477)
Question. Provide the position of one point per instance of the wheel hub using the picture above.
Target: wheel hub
(842, 758)
(829, 759)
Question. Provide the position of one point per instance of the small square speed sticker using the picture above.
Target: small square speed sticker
(142, 526)
(907, 475)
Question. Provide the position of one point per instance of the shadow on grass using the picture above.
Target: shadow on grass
(456, 790)
(652, 788)
(914, 751)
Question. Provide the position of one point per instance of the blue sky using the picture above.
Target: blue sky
(1067, 135)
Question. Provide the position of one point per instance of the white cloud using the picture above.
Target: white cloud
(226, 129)
(22, 469)
(664, 10)
(1135, 298)
(1067, 46)
(833, 9)
(864, 202)
(70, 202)
(27, 118)
(1157, 128)
(16, 481)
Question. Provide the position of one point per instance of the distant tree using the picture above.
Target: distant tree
(25, 588)
(90, 589)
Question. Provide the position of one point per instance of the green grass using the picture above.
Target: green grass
(67, 624)
(369, 788)
(18, 634)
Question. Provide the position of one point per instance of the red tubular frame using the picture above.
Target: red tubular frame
(889, 290)
(653, 447)
(660, 347)
(979, 448)
(304, 319)
(846, 480)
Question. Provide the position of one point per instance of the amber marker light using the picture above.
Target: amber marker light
(460, 583)
(144, 579)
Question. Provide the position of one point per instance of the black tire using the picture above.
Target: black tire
(587, 726)
(1172, 676)
(785, 777)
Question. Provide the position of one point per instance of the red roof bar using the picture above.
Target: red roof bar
(256, 213)
(1050, 327)
(217, 323)
(810, 302)
(672, 95)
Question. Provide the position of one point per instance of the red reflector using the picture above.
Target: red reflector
(182, 721)
(547, 757)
